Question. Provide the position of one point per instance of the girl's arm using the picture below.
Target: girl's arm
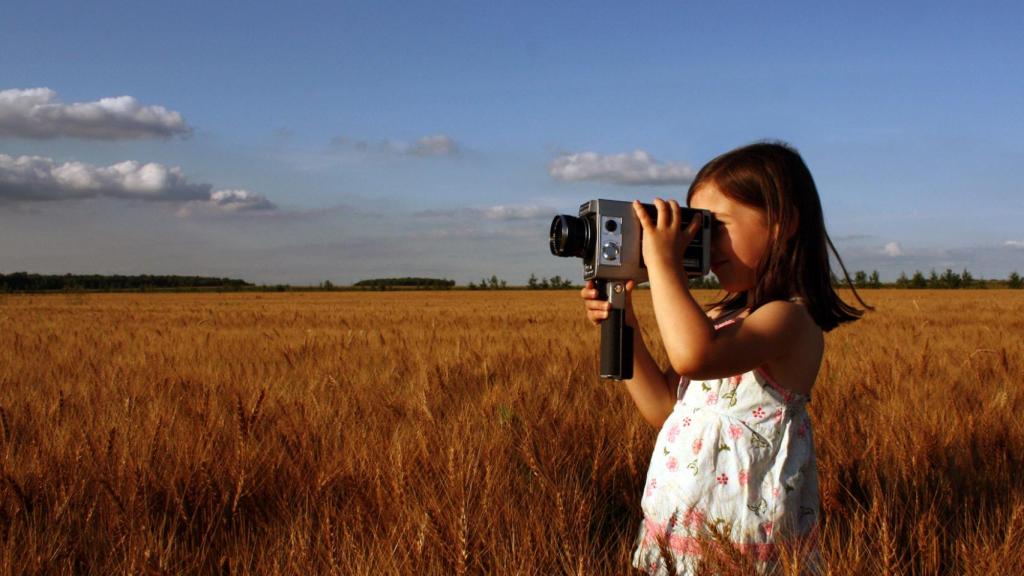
(653, 391)
(694, 348)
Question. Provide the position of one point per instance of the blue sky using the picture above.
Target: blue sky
(342, 141)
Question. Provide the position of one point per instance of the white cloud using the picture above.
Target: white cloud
(893, 249)
(37, 113)
(503, 212)
(500, 212)
(36, 178)
(1014, 243)
(637, 168)
(28, 179)
(229, 202)
(435, 145)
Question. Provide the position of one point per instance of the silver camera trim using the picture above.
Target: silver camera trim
(610, 239)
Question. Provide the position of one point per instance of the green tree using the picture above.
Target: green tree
(1015, 281)
(918, 280)
(874, 281)
(860, 279)
(950, 279)
(933, 280)
(966, 280)
(903, 281)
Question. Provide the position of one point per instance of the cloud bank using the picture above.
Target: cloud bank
(893, 249)
(501, 212)
(36, 113)
(40, 179)
(637, 168)
(434, 145)
(230, 202)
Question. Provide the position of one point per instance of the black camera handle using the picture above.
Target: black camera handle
(616, 335)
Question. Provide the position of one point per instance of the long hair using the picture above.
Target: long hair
(772, 177)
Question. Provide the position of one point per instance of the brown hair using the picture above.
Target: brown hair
(772, 177)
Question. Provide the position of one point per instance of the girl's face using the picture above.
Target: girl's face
(739, 238)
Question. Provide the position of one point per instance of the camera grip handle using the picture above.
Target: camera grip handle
(616, 335)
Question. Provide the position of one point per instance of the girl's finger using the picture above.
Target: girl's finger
(694, 227)
(663, 213)
(677, 213)
(642, 215)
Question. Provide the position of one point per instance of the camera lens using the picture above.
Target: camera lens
(570, 236)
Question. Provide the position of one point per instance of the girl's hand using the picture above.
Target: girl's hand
(664, 241)
(597, 309)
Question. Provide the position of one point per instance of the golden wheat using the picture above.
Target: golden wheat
(462, 432)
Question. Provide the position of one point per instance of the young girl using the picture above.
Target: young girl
(734, 461)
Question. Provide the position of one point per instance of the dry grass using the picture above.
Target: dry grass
(464, 433)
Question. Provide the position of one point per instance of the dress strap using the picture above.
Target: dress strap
(723, 321)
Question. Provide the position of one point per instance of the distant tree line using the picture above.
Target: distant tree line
(494, 283)
(25, 282)
(948, 280)
(555, 282)
(407, 282)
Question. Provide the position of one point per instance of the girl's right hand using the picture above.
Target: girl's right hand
(597, 309)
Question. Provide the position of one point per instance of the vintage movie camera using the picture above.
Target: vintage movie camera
(608, 237)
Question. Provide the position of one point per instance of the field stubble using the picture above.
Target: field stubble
(461, 432)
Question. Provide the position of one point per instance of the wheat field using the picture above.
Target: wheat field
(461, 433)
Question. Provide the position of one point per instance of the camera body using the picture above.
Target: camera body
(608, 236)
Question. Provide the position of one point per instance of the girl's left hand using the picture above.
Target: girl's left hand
(664, 241)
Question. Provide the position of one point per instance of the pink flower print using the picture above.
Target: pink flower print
(693, 518)
(734, 381)
(723, 479)
(743, 478)
(697, 445)
(651, 487)
(686, 421)
(777, 415)
(775, 492)
(673, 433)
(712, 399)
(759, 412)
(767, 527)
(735, 431)
(672, 464)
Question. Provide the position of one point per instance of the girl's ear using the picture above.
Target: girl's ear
(787, 233)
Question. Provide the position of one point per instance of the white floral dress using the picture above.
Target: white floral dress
(735, 456)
